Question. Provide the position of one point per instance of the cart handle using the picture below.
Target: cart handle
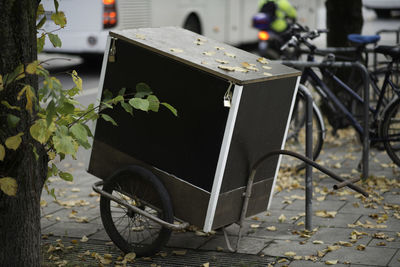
(172, 226)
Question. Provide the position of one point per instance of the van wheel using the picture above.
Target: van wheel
(383, 13)
(192, 23)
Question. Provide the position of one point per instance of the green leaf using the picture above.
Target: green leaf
(128, 108)
(9, 186)
(41, 132)
(63, 142)
(107, 95)
(39, 11)
(59, 19)
(40, 43)
(117, 99)
(17, 74)
(56, 5)
(12, 120)
(50, 112)
(35, 153)
(79, 132)
(13, 142)
(2, 152)
(108, 118)
(66, 108)
(5, 103)
(41, 22)
(139, 103)
(154, 103)
(55, 40)
(142, 90)
(66, 176)
(77, 80)
(52, 171)
(171, 108)
(122, 92)
(89, 132)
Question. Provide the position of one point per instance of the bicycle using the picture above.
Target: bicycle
(382, 130)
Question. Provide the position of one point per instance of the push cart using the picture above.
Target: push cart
(157, 169)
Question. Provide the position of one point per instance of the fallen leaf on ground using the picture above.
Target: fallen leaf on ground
(331, 262)
(84, 239)
(290, 254)
(179, 252)
(271, 228)
(318, 242)
(282, 218)
(361, 247)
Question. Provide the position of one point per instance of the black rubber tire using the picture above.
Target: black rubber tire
(138, 185)
(383, 13)
(390, 131)
(378, 76)
(192, 23)
(295, 140)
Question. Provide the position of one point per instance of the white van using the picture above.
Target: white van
(229, 21)
(88, 21)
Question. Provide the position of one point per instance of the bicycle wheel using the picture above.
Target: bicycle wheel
(390, 131)
(378, 78)
(129, 230)
(296, 137)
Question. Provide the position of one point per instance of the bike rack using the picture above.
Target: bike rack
(365, 76)
(308, 175)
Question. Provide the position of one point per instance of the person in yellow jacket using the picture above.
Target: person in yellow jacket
(279, 11)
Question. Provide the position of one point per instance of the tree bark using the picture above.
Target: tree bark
(20, 215)
(343, 17)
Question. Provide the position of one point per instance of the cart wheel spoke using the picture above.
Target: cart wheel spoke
(129, 230)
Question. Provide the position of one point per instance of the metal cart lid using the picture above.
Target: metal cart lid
(220, 59)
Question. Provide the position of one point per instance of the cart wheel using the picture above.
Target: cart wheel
(131, 231)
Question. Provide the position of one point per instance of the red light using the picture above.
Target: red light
(112, 15)
(109, 2)
(263, 35)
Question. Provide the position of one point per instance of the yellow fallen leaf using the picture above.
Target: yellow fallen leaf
(208, 53)
(9, 186)
(345, 244)
(290, 254)
(227, 68)
(179, 252)
(297, 258)
(74, 241)
(381, 244)
(130, 257)
(320, 253)
(84, 239)
(361, 247)
(75, 189)
(254, 225)
(222, 61)
(282, 260)
(267, 67)
(267, 74)
(176, 50)
(207, 264)
(140, 36)
(282, 218)
(331, 262)
(271, 228)
(318, 242)
(300, 223)
(332, 248)
(262, 60)
(230, 55)
(219, 48)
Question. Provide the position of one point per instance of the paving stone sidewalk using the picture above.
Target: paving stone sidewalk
(348, 230)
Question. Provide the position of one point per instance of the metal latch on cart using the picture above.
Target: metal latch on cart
(113, 50)
(228, 96)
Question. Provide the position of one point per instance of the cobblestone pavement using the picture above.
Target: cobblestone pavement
(348, 229)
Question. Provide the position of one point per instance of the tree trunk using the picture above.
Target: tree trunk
(20, 215)
(343, 17)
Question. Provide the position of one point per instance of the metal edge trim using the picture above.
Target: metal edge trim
(223, 156)
(99, 92)
(283, 141)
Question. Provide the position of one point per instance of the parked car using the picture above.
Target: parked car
(382, 8)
